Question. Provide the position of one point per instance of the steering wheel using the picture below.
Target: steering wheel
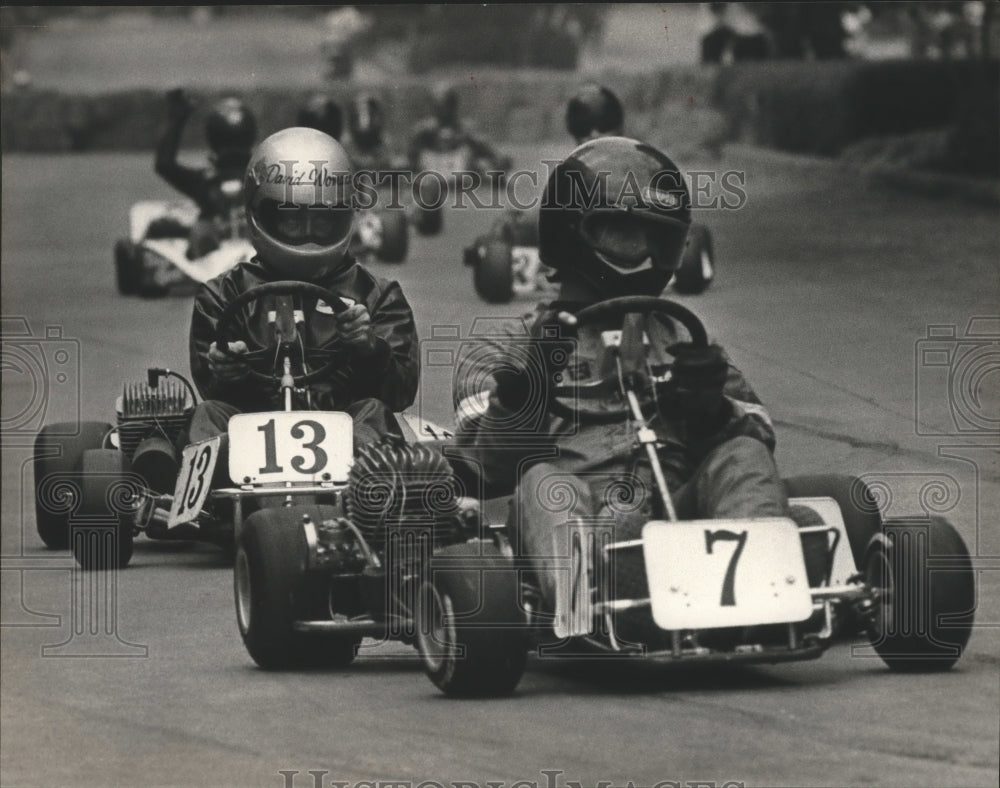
(332, 356)
(618, 308)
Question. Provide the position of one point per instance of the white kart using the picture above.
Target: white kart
(153, 261)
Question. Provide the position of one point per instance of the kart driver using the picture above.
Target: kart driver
(366, 121)
(231, 130)
(594, 111)
(301, 228)
(322, 113)
(715, 440)
(444, 132)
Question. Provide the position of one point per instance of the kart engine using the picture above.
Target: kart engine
(150, 422)
(397, 490)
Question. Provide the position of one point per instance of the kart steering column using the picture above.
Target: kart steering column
(647, 437)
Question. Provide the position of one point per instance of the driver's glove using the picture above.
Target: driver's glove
(355, 326)
(225, 368)
(553, 340)
(694, 391)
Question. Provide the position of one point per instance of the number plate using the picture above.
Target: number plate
(725, 573)
(303, 446)
(575, 607)
(194, 481)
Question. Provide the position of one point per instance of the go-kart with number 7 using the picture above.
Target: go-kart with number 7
(762, 590)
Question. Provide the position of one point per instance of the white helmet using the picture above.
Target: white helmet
(299, 202)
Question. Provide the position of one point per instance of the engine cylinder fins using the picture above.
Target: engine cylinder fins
(399, 488)
(140, 400)
(146, 412)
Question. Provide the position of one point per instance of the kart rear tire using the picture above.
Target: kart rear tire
(429, 221)
(471, 628)
(923, 614)
(106, 541)
(697, 269)
(57, 476)
(395, 237)
(271, 593)
(493, 275)
(127, 269)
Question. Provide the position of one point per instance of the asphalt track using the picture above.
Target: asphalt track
(824, 297)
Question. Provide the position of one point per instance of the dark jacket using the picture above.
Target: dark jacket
(503, 443)
(391, 374)
(203, 185)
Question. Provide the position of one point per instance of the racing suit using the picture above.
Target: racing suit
(566, 468)
(202, 185)
(369, 389)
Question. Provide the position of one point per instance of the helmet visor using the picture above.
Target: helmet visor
(624, 237)
(297, 225)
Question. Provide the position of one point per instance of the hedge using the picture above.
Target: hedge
(516, 106)
(821, 107)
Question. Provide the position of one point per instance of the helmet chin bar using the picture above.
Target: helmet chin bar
(645, 265)
(612, 281)
(307, 263)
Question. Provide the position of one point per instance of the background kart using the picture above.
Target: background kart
(763, 590)
(381, 233)
(451, 157)
(505, 261)
(153, 261)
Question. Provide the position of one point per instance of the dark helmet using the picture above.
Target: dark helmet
(231, 129)
(594, 111)
(616, 214)
(366, 121)
(444, 102)
(323, 114)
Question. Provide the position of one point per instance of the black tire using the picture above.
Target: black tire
(145, 286)
(395, 237)
(272, 593)
(493, 275)
(697, 269)
(925, 594)
(57, 476)
(127, 273)
(429, 221)
(471, 628)
(106, 541)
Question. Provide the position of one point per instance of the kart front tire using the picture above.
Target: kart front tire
(924, 594)
(493, 274)
(127, 267)
(395, 237)
(272, 593)
(104, 539)
(57, 458)
(471, 628)
(697, 269)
